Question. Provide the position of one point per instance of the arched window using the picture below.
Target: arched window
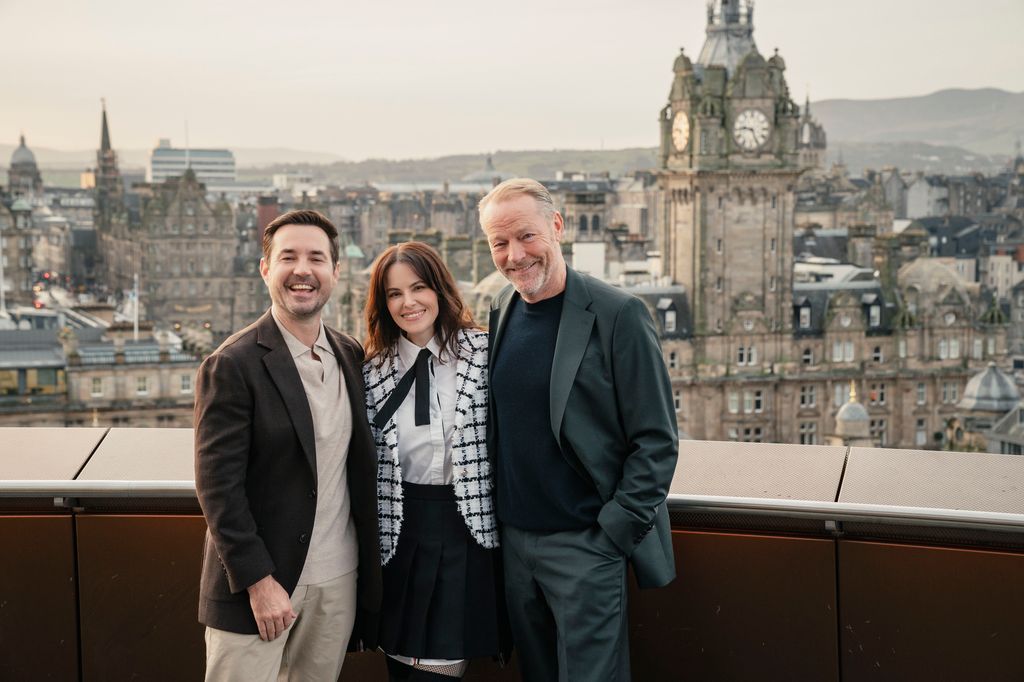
(595, 223)
(583, 223)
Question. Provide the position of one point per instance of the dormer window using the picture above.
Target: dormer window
(805, 317)
(667, 310)
(875, 315)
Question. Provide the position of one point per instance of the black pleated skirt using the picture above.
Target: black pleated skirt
(441, 593)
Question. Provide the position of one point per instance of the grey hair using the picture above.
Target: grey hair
(518, 187)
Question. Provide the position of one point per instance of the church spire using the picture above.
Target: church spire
(105, 132)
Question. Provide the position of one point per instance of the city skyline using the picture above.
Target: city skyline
(410, 81)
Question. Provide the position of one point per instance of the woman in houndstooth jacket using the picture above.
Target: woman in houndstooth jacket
(426, 395)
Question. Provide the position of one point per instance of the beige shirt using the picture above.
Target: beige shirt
(333, 548)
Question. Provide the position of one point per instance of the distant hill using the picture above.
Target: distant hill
(950, 131)
(986, 121)
(541, 164)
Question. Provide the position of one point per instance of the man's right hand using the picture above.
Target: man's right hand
(271, 607)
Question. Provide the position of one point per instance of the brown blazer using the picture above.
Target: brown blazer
(255, 461)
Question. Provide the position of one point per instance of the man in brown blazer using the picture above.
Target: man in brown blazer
(286, 476)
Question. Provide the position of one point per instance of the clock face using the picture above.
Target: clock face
(680, 131)
(751, 129)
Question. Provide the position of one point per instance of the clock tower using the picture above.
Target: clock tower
(729, 166)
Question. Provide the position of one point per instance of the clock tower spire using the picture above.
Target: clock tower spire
(729, 156)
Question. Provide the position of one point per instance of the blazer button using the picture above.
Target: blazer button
(303, 539)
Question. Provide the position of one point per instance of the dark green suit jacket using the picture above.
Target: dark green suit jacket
(612, 414)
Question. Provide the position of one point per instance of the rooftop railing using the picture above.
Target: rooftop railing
(794, 563)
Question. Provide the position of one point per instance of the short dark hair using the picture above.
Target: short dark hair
(301, 217)
(452, 312)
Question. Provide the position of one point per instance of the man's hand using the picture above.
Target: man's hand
(271, 607)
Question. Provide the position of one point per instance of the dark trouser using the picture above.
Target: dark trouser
(566, 596)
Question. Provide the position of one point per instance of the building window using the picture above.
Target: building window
(848, 351)
(878, 431)
(808, 433)
(772, 245)
(753, 401)
(677, 400)
(97, 387)
(922, 393)
(741, 355)
(808, 356)
(841, 394)
(902, 345)
(991, 343)
(837, 351)
(186, 383)
(978, 346)
(805, 317)
(583, 223)
(775, 200)
(734, 402)
(721, 202)
(719, 283)
(142, 385)
(752, 355)
(733, 433)
(875, 316)
(670, 320)
(807, 397)
(943, 349)
(595, 223)
(752, 435)
(718, 246)
(876, 354)
(920, 433)
(950, 392)
(672, 360)
(954, 348)
(877, 394)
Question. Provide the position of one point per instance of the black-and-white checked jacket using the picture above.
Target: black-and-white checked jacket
(472, 475)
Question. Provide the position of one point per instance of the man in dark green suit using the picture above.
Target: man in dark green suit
(583, 435)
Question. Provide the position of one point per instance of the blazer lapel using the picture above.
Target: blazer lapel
(281, 366)
(574, 329)
(496, 324)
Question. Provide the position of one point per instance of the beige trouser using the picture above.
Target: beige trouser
(312, 649)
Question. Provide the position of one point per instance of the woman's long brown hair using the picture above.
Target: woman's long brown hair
(452, 314)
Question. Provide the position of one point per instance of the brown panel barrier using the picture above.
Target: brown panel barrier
(743, 607)
(930, 613)
(139, 585)
(38, 632)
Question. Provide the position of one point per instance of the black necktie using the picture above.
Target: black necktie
(420, 373)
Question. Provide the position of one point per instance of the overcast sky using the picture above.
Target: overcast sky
(401, 79)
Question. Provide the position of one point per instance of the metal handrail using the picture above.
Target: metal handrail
(803, 509)
(87, 489)
(850, 511)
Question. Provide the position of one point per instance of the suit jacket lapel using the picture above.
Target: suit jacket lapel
(574, 329)
(281, 366)
(496, 323)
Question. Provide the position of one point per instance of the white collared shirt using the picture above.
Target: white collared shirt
(425, 452)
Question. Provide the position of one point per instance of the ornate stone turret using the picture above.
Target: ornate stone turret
(730, 34)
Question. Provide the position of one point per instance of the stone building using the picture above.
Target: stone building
(754, 355)
(196, 268)
(95, 377)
